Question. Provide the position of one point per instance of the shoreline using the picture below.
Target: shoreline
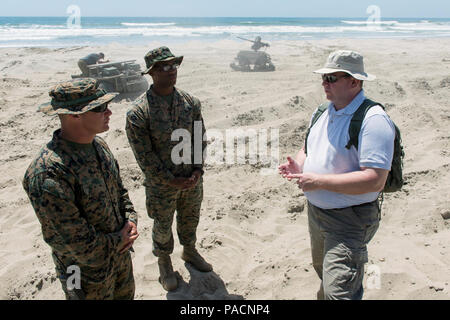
(242, 44)
(212, 42)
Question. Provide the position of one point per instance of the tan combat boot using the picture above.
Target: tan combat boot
(191, 255)
(167, 277)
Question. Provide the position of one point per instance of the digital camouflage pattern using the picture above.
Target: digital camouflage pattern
(161, 206)
(149, 126)
(76, 97)
(158, 55)
(81, 203)
(117, 285)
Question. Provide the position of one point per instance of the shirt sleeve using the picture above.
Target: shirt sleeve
(199, 118)
(64, 228)
(376, 141)
(125, 204)
(139, 139)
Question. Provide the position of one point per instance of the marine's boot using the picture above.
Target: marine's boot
(191, 255)
(167, 277)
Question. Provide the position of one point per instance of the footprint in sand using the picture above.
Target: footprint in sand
(12, 64)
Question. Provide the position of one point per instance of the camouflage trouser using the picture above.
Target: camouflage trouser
(161, 205)
(118, 284)
(83, 67)
(339, 239)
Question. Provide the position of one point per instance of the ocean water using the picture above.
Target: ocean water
(60, 31)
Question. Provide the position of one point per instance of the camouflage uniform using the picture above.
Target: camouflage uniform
(150, 123)
(81, 203)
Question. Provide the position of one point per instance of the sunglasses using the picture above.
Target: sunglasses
(100, 109)
(168, 67)
(330, 78)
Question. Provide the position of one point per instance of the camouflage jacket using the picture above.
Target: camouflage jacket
(149, 126)
(81, 204)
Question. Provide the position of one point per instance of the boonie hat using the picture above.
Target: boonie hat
(76, 97)
(350, 62)
(158, 55)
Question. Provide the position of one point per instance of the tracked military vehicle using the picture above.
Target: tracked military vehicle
(122, 76)
(248, 60)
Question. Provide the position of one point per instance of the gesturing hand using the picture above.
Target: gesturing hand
(289, 168)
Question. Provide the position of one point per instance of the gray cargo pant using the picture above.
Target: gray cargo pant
(339, 239)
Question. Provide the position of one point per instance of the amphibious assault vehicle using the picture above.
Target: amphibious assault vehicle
(121, 76)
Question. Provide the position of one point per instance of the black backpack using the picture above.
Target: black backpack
(394, 181)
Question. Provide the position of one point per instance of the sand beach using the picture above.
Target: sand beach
(253, 227)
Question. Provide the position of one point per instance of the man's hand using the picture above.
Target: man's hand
(289, 168)
(181, 183)
(195, 177)
(306, 181)
(186, 183)
(128, 234)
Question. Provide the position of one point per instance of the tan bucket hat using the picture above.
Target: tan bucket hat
(350, 62)
(76, 97)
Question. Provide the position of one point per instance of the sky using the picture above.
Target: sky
(228, 8)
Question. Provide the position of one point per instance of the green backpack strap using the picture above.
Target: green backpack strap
(319, 112)
(357, 120)
(394, 181)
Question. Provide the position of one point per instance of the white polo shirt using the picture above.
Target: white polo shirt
(327, 153)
